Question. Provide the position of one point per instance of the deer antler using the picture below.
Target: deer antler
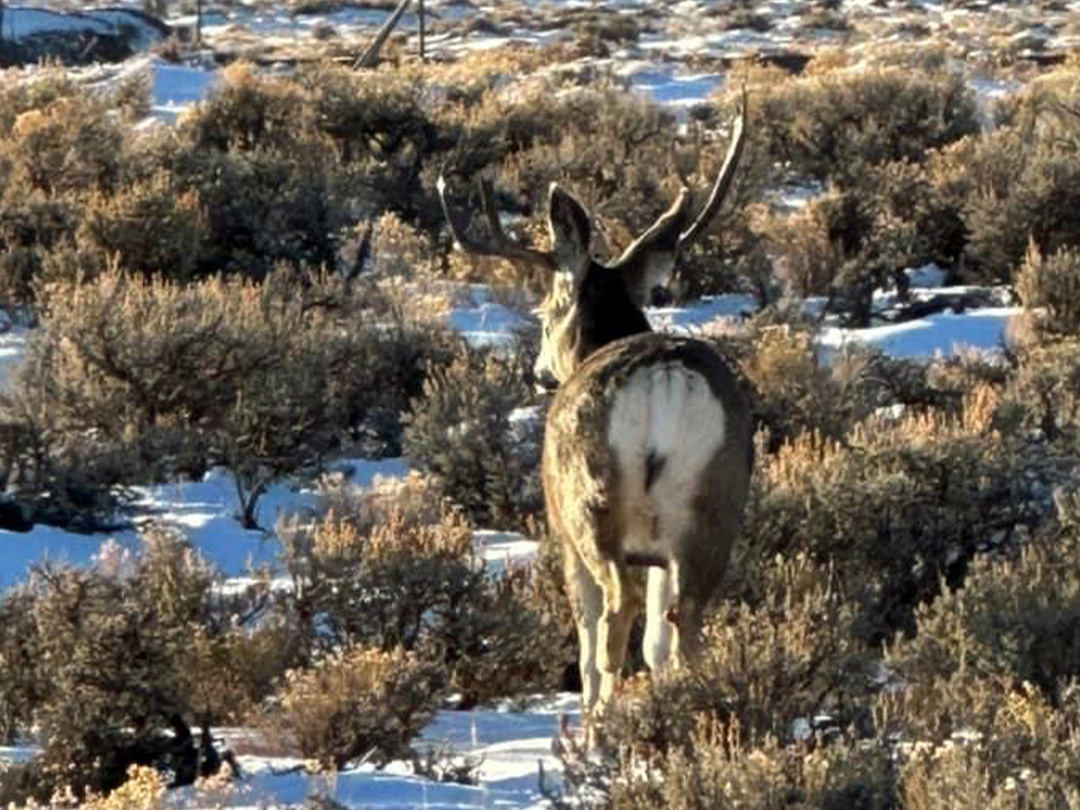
(723, 181)
(661, 235)
(497, 243)
(664, 235)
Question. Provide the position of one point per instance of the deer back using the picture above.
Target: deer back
(648, 447)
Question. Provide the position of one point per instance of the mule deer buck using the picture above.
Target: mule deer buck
(648, 446)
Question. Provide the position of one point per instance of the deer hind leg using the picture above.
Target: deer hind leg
(661, 644)
(620, 603)
(588, 602)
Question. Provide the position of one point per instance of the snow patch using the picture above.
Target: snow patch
(734, 306)
(204, 511)
(927, 275)
(944, 333)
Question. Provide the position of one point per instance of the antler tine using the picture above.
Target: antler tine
(723, 180)
(498, 243)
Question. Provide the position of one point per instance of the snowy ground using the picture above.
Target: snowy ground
(509, 747)
(677, 61)
(675, 53)
(942, 334)
(511, 744)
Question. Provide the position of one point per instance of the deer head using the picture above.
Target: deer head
(590, 304)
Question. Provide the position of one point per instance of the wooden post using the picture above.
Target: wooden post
(370, 57)
(198, 24)
(420, 22)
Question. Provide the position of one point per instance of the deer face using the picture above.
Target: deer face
(559, 326)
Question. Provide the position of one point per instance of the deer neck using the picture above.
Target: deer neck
(607, 311)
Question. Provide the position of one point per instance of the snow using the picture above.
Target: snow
(667, 87)
(483, 322)
(176, 88)
(12, 347)
(888, 299)
(942, 334)
(792, 196)
(204, 511)
(510, 746)
(988, 93)
(927, 275)
(699, 313)
(502, 549)
(672, 66)
(21, 22)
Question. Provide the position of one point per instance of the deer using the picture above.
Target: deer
(648, 442)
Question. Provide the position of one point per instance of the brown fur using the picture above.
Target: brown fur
(596, 337)
(581, 486)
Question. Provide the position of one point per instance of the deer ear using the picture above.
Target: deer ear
(570, 232)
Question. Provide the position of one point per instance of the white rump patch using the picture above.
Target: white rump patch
(665, 426)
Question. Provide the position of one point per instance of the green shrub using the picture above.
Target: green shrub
(152, 379)
(896, 507)
(19, 690)
(806, 253)
(985, 695)
(721, 770)
(381, 123)
(460, 430)
(31, 225)
(1012, 621)
(140, 366)
(388, 575)
(406, 337)
(272, 187)
(265, 207)
(283, 164)
(793, 392)
(1029, 754)
(782, 649)
(1017, 183)
(150, 227)
(50, 84)
(844, 244)
(836, 124)
(104, 649)
(251, 112)
(790, 651)
(67, 479)
(1037, 204)
(598, 31)
(70, 145)
(1050, 286)
(1043, 397)
(357, 705)
(923, 223)
(232, 668)
(547, 597)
